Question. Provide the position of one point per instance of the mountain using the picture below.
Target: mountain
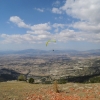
(49, 52)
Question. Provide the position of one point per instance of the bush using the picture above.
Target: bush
(43, 80)
(21, 78)
(31, 80)
(62, 81)
(94, 80)
(47, 82)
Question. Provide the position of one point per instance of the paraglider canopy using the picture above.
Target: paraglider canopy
(50, 41)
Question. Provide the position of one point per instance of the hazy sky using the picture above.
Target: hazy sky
(27, 24)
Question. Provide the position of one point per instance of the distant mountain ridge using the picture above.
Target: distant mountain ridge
(39, 52)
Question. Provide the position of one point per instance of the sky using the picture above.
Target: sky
(29, 24)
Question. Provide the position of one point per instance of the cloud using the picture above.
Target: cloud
(37, 33)
(87, 10)
(11, 38)
(56, 10)
(58, 26)
(81, 9)
(44, 26)
(39, 9)
(68, 35)
(26, 38)
(71, 35)
(56, 3)
(87, 27)
(87, 13)
(19, 22)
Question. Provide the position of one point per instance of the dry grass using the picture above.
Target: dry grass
(17, 90)
(55, 87)
(69, 91)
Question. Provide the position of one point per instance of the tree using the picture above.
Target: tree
(21, 78)
(31, 80)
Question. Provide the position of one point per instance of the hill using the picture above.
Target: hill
(49, 52)
(13, 90)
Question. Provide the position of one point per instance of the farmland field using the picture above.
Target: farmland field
(13, 90)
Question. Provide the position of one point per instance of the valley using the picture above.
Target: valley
(50, 67)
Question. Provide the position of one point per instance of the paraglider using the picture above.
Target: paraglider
(50, 41)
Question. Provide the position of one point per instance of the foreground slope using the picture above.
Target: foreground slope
(14, 90)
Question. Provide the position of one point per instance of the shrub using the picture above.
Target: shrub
(56, 87)
(31, 80)
(21, 78)
(62, 81)
(43, 80)
(47, 82)
(95, 79)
